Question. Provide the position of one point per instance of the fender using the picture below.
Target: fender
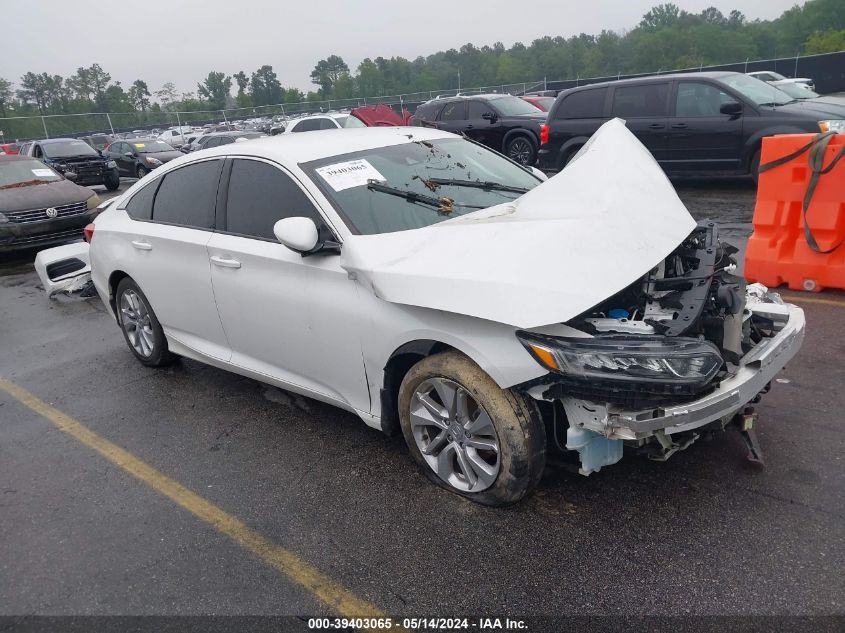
(568, 147)
(753, 142)
(520, 132)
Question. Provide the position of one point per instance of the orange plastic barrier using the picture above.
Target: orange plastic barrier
(781, 248)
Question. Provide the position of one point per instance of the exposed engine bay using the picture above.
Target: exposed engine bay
(683, 350)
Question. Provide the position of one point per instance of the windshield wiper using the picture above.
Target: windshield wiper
(477, 184)
(443, 204)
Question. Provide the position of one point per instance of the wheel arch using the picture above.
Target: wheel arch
(114, 279)
(398, 364)
(520, 132)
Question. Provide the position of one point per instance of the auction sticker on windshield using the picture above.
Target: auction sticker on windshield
(353, 173)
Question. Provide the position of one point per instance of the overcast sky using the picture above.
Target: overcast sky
(182, 40)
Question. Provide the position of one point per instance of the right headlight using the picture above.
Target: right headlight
(675, 360)
(833, 125)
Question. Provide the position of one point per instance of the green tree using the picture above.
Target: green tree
(215, 89)
(242, 99)
(264, 87)
(6, 96)
(327, 72)
(167, 94)
(139, 95)
(828, 41)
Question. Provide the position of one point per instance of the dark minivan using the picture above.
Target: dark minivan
(693, 123)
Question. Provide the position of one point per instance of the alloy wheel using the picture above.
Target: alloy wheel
(455, 435)
(135, 320)
(520, 151)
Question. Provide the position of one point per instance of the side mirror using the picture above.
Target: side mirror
(540, 174)
(490, 116)
(731, 107)
(298, 234)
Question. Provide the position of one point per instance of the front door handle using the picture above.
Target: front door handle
(656, 126)
(679, 126)
(142, 246)
(224, 262)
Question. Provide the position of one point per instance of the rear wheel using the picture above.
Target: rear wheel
(754, 166)
(521, 150)
(140, 326)
(469, 435)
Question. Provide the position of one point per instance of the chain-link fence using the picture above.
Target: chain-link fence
(828, 71)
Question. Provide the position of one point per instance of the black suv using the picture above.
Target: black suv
(76, 160)
(504, 123)
(693, 123)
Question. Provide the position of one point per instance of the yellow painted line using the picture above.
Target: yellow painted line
(341, 600)
(801, 299)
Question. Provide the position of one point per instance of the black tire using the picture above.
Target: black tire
(570, 156)
(141, 171)
(159, 355)
(521, 149)
(516, 418)
(754, 166)
(112, 182)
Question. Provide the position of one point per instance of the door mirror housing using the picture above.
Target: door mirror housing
(490, 116)
(129, 154)
(301, 236)
(733, 108)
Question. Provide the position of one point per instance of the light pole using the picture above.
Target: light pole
(459, 80)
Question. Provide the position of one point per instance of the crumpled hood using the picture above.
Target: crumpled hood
(568, 244)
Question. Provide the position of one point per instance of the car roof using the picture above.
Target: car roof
(292, 149)
(48, 141)
(705, 74)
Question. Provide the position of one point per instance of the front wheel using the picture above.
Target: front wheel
(141, 171)
(141, 328)
(469, 435)
(521, 150)
(112, 181)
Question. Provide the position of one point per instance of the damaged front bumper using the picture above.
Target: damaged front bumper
(755, 370)
(599, 431)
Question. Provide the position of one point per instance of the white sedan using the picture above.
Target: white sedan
(428, 284)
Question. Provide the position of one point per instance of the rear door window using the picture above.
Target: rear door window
(308, 125)
(584, 104)
(140, 206)
(454, 111)
(187, 195)
(641, 100)
(477, 110)
(259, 196)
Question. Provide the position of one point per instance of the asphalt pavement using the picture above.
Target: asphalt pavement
(81, 532)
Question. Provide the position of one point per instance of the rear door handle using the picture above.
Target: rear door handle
(223, 262)
(656, 126)
(679, 126)
(142, 246)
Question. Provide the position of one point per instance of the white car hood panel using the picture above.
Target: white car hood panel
(568, 244)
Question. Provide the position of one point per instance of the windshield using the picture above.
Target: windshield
(408, 167)
(148, 146)
(513, 106)
(798, 91)
(15, 172)
(353, 121)
(67, 149)
(757, 91)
